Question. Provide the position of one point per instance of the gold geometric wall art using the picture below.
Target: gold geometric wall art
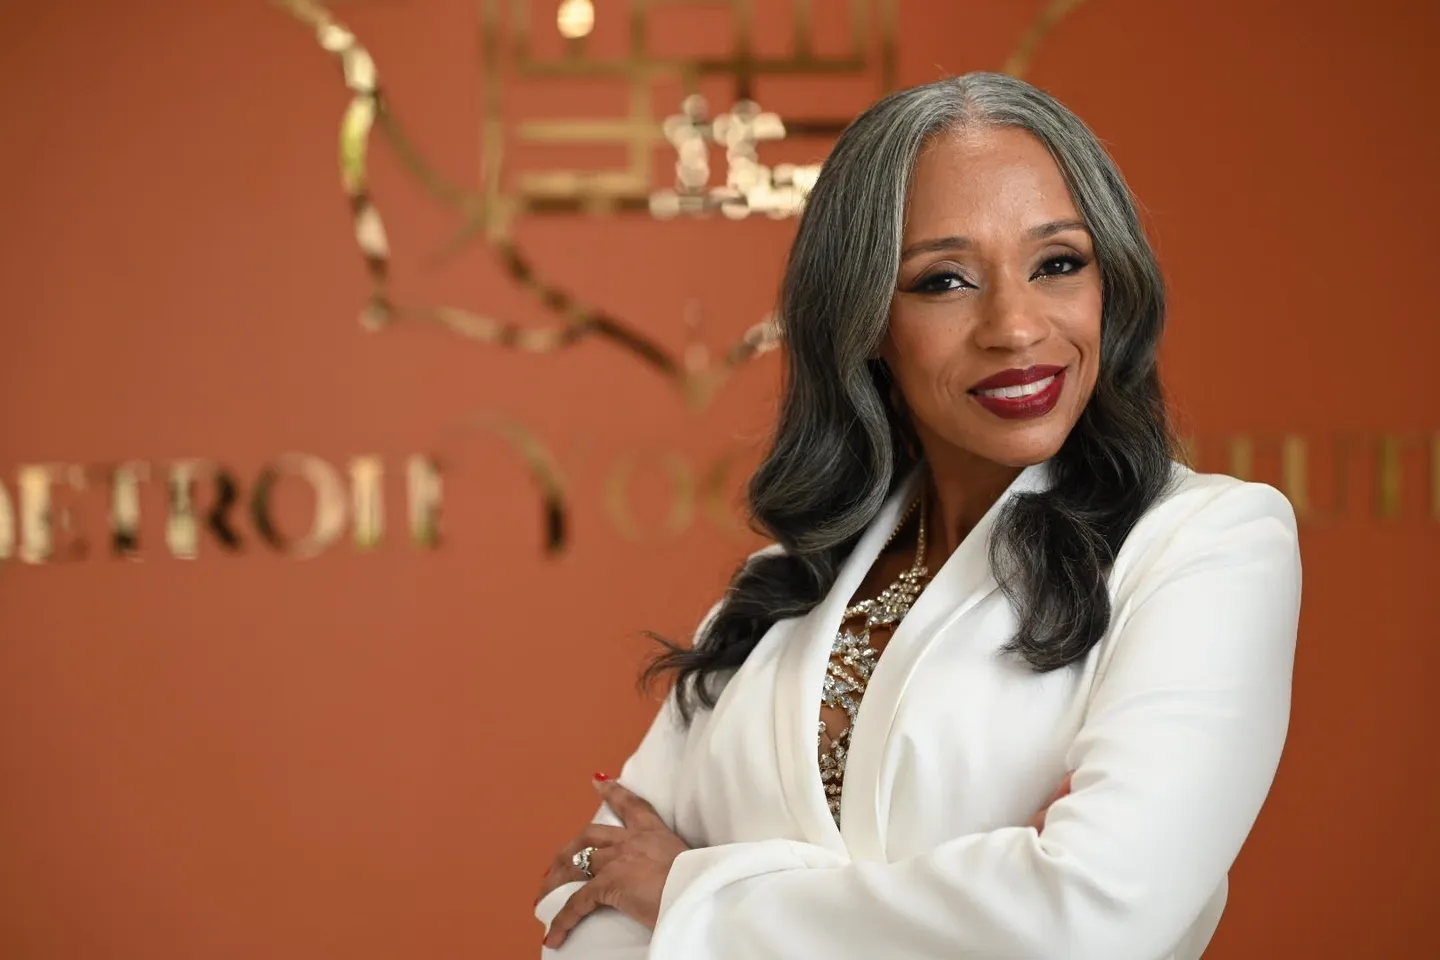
(486, 213)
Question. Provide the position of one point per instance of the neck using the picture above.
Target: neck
(962, 487)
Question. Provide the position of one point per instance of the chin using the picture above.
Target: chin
(1020, 451)
(1022, 459)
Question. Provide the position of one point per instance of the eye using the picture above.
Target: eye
(1062, 266)
(939, 281)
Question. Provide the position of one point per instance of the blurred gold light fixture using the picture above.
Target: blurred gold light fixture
(575, 18)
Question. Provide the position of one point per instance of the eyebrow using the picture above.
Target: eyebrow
(936, 244)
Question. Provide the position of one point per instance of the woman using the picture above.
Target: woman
(983, 538)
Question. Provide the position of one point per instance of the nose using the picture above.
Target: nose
(1010, 319)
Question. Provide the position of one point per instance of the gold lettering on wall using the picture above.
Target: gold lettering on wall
(1188, 452)
(202, 497)
(424, 493)
(1298, 468)
(544, 472)
(682, 502)
(1382, 465)
(1295, 474)
(48, 530)
(1434, 474)
(1242, 458)
(124, 482)
(182, 525)
(367, 502)
(331, 506)
(7, 524)
(648, 494)
(182, 529)
(718, 501)
(1394, 453)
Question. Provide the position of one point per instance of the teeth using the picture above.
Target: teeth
(1015, 393)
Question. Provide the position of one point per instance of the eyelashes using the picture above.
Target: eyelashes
(947, 280)
(1062, 266)
(940, 281)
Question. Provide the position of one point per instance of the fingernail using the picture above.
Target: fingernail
(602, 777)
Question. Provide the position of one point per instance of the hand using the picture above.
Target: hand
(630, 864)
(1038, 821)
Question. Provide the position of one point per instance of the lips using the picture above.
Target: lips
(1021, 394)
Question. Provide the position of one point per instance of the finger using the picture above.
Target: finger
(596, 835)
(562, 868)
(604, 856)
(581, 905)
(632, 810)
(557, 876)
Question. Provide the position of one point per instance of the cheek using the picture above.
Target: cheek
(921, 353)
(1081, 326)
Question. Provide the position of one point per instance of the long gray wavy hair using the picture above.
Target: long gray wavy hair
(841, 448)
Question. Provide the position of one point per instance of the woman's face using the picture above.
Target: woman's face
(994, 336)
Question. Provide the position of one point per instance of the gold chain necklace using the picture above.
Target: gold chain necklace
(853, 657)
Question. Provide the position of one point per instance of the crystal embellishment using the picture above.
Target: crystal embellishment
(853, 659)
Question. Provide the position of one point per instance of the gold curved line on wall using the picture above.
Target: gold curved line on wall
(543, 470)
(369, 109)
(1018, 63)
(683, 486)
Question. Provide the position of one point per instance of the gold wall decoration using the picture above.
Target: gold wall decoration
(424, 495)
(367, 506)
(332, 505)
(681, 477)
(751, 188)
(125, 482)
(1347, 465)
(486, 213)
(8, 537)
(544, 472)
(1331, 479)
(206, 501)
(49, 530)
(183, 525)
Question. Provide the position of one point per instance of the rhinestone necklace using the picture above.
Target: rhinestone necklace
(853, 658)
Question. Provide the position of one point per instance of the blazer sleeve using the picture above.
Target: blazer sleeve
(649, 772)
(1172, 763)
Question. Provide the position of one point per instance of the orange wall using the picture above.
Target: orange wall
(371, 754)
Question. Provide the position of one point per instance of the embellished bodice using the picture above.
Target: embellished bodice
(853, 656)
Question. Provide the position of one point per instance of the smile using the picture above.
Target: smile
(1014, 393)
(1021, 394)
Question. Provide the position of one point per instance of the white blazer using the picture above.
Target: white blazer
(1173, 725)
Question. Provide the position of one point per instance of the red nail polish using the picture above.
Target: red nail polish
(602, 777)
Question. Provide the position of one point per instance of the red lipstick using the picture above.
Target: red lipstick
(1021, 394)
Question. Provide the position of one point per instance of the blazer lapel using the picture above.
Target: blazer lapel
(962, 582)
(801, 674)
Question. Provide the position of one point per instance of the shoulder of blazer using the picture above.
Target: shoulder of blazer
(1197, 508)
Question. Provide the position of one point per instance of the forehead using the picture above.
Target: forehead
(985, 180)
